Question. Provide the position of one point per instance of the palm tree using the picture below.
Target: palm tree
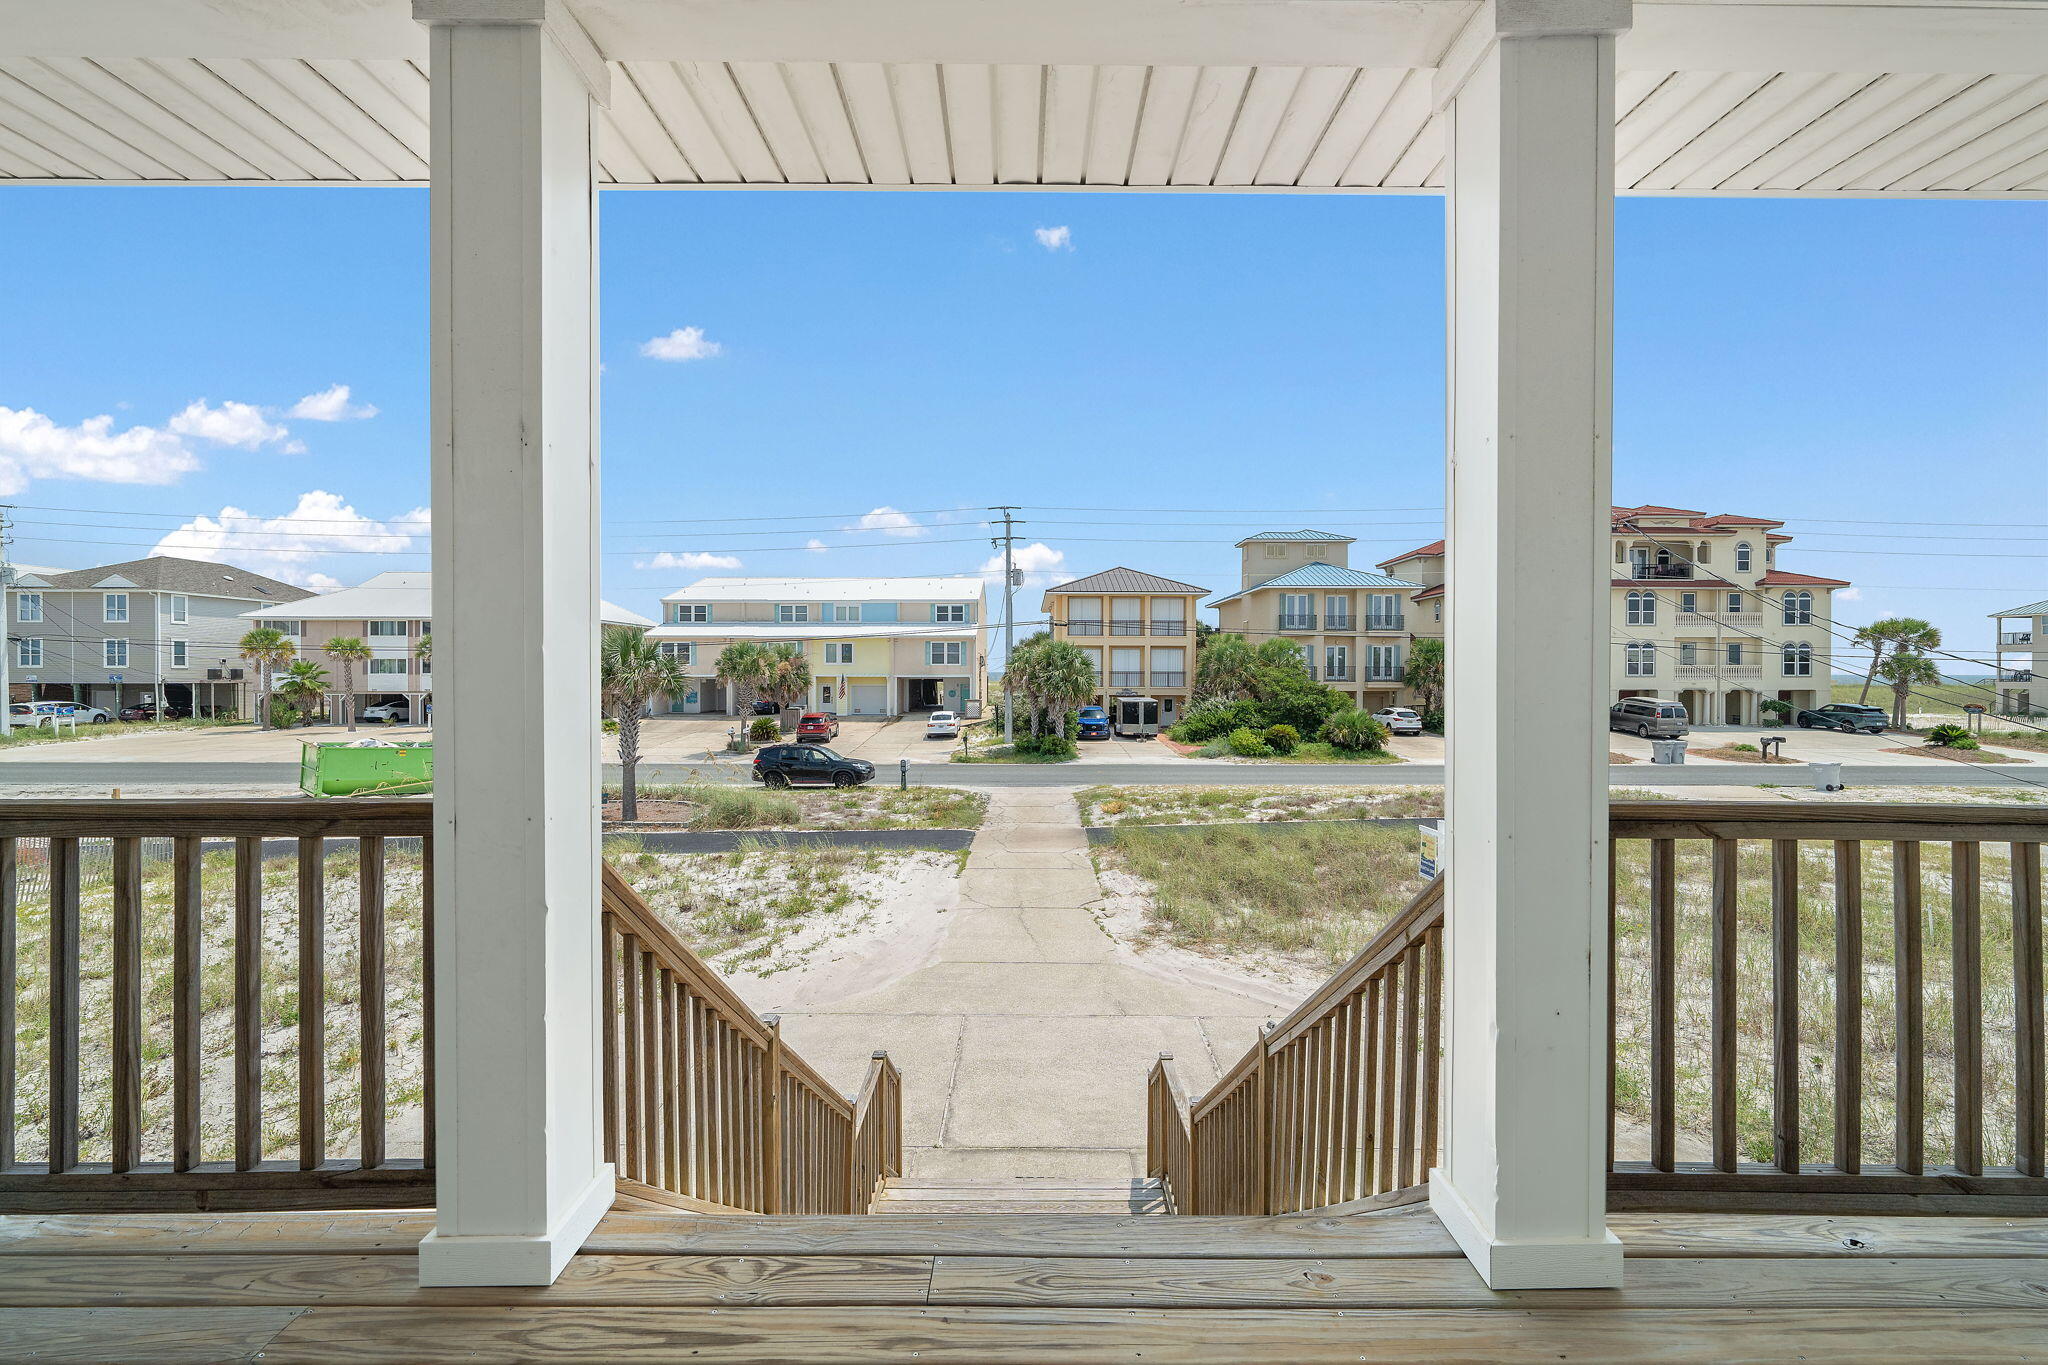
(1053, 676)
(1895, 633)
(785, 677)
(1224, 664)
(743, 666)
(632, 671)
(346, 650)
(1905, 670)
(424, 652)
(265, 647)
(1424, 674)
(302, 683)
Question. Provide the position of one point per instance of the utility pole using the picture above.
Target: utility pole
(1009, 543)
(6, 616)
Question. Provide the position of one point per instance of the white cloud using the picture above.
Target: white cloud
(889, 522)
(242, 425)
(816, 546)
(684, 343)
(1848, 594)
(1055, 238)
(1041, 565)
(285, 547)
(330, 405)
(34, 447)
(688, 559)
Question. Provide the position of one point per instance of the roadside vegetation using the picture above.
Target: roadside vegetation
(28, 736)
(1123, 806)
(719, 806)
(1259, 702)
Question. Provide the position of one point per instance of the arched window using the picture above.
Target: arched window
(1798, 608)
(1798, 660)
(1642, 608)
(1742, 556)
(1642, 660)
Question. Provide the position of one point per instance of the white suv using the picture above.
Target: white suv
(1400, 720)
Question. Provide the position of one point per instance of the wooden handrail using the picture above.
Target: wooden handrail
(120, 876)
(704, 1101)
(1168, 1143)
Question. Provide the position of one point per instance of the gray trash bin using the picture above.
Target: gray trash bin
(1667, 751)
(1827, 777)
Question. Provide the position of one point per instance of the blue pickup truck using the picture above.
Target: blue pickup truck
(1094, 723)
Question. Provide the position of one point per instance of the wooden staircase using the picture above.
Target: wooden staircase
(1020, 1195)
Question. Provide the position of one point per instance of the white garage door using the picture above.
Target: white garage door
(867, 699)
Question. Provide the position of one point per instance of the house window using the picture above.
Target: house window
(792, 613)
(114, 653)
(1688, 602)
(1336, 611)
(387, 668)
(1798, 660)
(681, 653)
(838, 651)
(1642, 660)
(950, 613)
(841, 611)
(181, 609)
(387, 629)
(28, 607)
(1297, 611)
(29, 653)
(1094, 660)
(1742, 553)
(1384, 610)
(692, 613)
(1337, 661)
(291, 628)
(1383, 662)
(1798, 608)
(1734, 651)
(178, 654)
(1688, 652)
(943, 652)
(1125, 668)
(1276, 552)
(1084, 616)
(1642, 609)
(114, 606)
(1734, 604)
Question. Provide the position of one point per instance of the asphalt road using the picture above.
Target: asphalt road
(99, 776)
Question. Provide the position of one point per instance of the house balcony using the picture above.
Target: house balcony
(1297, 620)
(1738, 620)
(1339, 622)
(1169, 680)
(1084, 627)
(1166, 627)
(1382, 675)
(1126, 678)
(1718, 671)
(1338, 675)
(2010, 639)
(1126, 627)
(2015, 675)
(1383, 621)
(1660, 572)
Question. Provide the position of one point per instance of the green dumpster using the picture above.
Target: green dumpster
(342, 769)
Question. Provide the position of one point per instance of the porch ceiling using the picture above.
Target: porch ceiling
(1933, 99)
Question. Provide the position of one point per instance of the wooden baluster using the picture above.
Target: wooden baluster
(1369, 1085)
(10, 973)
(248, 1067)
(1410, 966)
(629, 1026)
(313, 1002)
(702, 1118)
(608, 1020)
(427, 997)
(650, 1071)
(2028, 1059)
(1909, 1150)
(1966, 914)
(1262, 1134)
(1663, 1002)
(1848, 1005)
(1721, 1006)
(370, 991)
(127, 1001)
(771, 1117)
(186, 951)
(672, 1086)
(1785, 1003)
(1432, 1045)
(1390, 1024)
(1351, 1186)
(64, 1020)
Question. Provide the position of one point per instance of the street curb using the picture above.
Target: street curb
(726, 840)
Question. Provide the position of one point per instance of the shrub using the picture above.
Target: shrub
(1282, 739)
(1246, 742)
(1112, 807)
(1966, 742)
(1046, 746)
(1295, 701)
(283, 715)
(1214, 718)
(1355, 730)
(1743, 748)
(1950, 737)
(744, 808)
(1433, 721)
(764, 728)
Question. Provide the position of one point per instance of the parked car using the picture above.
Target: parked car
(1399, 720)
(34, 712)
(386, 712)
(1094, 723)
(808, 765)
(1846, 716)
(817, 725)
(149, 710)
(942, 725)
(766, 708)
(1650, 717)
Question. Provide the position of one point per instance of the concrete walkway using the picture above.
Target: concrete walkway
(1023, 1033)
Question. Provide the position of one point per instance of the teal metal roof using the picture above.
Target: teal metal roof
(1299, 535)
(2031, 609)
(1320, 575)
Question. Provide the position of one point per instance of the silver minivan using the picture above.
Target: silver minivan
(1650, 717)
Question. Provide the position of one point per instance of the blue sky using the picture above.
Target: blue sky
(1835, 364)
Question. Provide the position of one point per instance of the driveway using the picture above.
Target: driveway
(1806, 746)
(225, 744)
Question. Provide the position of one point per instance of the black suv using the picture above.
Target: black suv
(1845, 716)
(809, 765)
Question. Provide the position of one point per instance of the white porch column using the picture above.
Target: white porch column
(1528, 90)
(521, 1174)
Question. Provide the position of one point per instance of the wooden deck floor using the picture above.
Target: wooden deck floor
(991, 1289)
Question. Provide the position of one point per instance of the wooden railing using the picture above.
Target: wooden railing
(704, 1105)
(157, 957)
(1335, 1104)
(1743, 1071)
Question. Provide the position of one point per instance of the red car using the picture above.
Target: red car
(817, 725)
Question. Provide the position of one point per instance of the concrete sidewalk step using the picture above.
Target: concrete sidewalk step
(1023, 1195)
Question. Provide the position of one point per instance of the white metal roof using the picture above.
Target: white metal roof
(396, 595)
(1945, 98)
(949, 588)
(768, 630)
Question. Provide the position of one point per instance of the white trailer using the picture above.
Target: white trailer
(1134, 716)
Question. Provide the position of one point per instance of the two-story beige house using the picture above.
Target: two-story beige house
(2022, 654)
(1350, 625)
(1139, 631)
(1702, 613)
(876, 646)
